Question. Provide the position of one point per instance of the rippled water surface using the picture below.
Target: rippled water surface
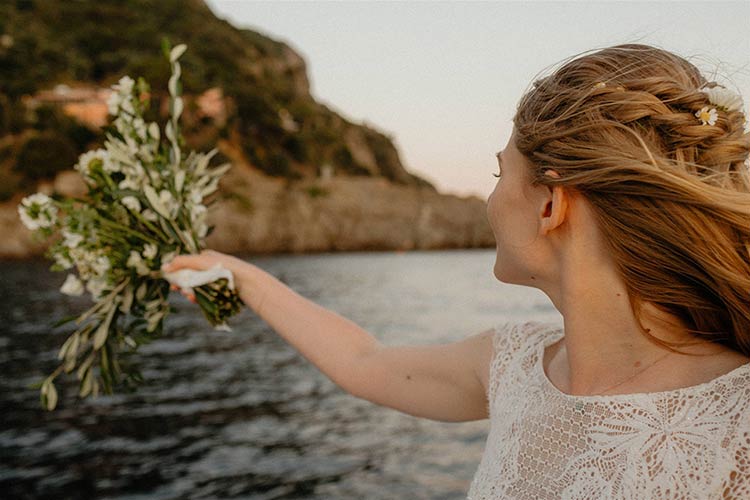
(241, 414)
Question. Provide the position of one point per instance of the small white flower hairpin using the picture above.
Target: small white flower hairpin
(723, 98)
(707, 116)
(601, 85)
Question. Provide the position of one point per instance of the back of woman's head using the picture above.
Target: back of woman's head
(670, 189)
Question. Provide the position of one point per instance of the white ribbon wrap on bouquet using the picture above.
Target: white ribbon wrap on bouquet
(190, 278)
(187, 279)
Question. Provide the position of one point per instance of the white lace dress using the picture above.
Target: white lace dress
(690, 443)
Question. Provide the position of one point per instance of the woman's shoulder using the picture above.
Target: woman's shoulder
(512, 342)
(517, 339)
(519, 335)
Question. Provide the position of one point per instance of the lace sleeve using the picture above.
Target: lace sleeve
(500, 348)
(508, 342)
(738, 484)
(512, 340)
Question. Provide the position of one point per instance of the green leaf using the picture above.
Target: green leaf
(64, 349)
(103, 331)
(72, 352)
(165, 46)
(64, 320)
(70, 364)
(51, 396)
(85, 365)
(143, 86)
(86, 384)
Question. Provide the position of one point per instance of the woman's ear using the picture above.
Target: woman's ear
(554, 205)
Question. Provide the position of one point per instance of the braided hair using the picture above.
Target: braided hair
(670, 192)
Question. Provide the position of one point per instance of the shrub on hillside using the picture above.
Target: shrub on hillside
(45, 154)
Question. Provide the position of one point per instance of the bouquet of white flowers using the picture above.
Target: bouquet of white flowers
(145, 205)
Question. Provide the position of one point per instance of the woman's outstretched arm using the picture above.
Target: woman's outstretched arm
(440, 382)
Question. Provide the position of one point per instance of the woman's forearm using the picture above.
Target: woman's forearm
(331, 342)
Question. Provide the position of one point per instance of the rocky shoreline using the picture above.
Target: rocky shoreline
(256, 213)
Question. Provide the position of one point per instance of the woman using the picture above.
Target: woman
(624, 195)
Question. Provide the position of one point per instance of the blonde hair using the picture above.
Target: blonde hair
(671, 195)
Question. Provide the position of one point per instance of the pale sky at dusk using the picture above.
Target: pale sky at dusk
(443, 78)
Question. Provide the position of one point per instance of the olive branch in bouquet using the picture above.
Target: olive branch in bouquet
(144, 205)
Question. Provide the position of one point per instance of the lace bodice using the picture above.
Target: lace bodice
(688, 443)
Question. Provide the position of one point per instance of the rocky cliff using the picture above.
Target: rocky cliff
(304, 178)
(256, 213)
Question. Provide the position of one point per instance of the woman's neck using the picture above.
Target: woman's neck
(603, 345)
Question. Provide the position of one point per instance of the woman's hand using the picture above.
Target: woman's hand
(202, 261)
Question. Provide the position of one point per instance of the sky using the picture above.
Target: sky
(442, 79)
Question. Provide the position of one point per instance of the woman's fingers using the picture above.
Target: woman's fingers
(205, 260)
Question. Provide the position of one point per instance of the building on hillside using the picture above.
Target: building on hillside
(88, 105)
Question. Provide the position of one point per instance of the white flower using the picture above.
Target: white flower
(176, 52)
(707, 116)
(197, 212)
(117, 150)
(135, 176)
(85, 161)
(135, 261)
(96, 287)
(121, 95)
(163, 202)
(724, 98)
(72, 286)
(131, 202)
(150, 250)
(150, 215)
(129, 183)
(211, 187)
(179, 181)
(81, 258)
(138, 171)
(153, 131)
(127, 106)
(140, 128)
(125, 85)
(100, 265)
(110, 166)
(195, 196)
(113, 102)
(72, 240)
(37, 211)
(29, 222)
(62, 261)
(40, 199)
(170, 202)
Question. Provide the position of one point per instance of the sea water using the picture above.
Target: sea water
(241, 414)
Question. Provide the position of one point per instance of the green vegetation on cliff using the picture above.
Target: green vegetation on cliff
(270, 112)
